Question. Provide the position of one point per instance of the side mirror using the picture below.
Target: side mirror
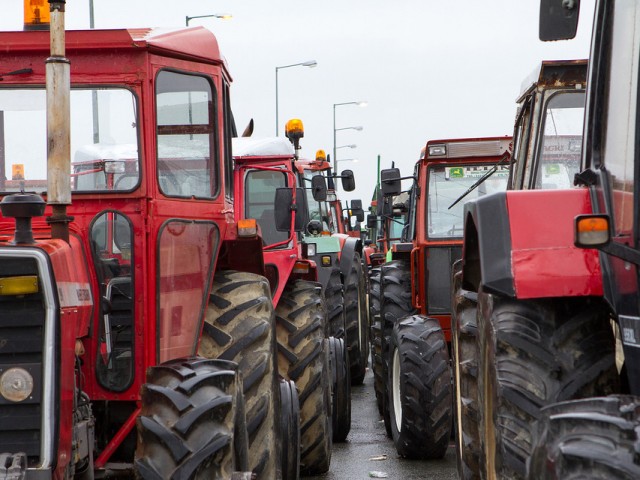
(318, 188)
(390, 180)
(348, 181)
(558, 19)
(372, 221)
(356, 210)
(282, 209)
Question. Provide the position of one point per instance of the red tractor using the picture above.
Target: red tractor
(139, 329)
(338, 257)
(598, 437)
(528, 305)
(266, 187)
(412, 326)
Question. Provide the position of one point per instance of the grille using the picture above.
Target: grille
(22, 320)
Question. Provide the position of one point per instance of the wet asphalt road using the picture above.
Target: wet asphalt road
(367, 440)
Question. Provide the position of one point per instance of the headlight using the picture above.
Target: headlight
(16, 384)
(311, 249)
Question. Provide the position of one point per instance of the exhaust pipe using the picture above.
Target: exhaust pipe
(58, 125)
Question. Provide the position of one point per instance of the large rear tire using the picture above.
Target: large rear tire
(395, 304)
(533, 354)
(376, 337)
(303, 357)
(420, 388)
(464, 346)
(334, 298)
(191, 424)
(356, 321)
(595, 438)
(340, 391)
(240, 326)
(290, 428)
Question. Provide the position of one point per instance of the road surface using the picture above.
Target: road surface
(353, 460)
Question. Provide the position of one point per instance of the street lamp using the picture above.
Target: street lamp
(360, 104)
(223, 16)
(308, 63)
(359, 129)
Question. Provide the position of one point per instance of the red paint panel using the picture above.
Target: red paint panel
(556, 272)
(545, 263)
(544, 218)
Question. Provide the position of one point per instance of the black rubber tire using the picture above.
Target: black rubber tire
(419, 388)
(356, 320)
(395, 304)
(290, 428)
(464, 348)
(240, 326)
(595, 438)
(533, 354)
(304, 358)
(341, 390)
(334, 298)
(376, 337)
(191, 411)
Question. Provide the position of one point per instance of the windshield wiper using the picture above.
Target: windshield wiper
(22, 71)
(480, 180)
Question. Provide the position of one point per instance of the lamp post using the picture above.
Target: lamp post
(308, 63)
(360, 104)
(223, 16)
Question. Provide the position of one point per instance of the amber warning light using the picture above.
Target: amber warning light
(36, 15)
(17, 171)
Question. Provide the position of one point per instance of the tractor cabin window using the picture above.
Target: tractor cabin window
(186, 135)
(111, 237)
(186, 255)
(259, 202)
(561, 144)
(104, 140)
(447, 184)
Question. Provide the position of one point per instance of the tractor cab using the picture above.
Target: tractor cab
(448, 174)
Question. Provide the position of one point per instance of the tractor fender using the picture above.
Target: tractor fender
(350, 247)
(520, 244)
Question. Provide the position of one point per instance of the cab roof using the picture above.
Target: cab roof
(193, 43)
(554, 74)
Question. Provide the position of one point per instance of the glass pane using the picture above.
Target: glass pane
(447, 184)
(559, 157)
(317, 210)
(104, 140)
(111, 243)
(259, 202)
(185, 259)
(185, 140)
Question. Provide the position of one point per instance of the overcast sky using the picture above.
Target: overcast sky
(429, 69)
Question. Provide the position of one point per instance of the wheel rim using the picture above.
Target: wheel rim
(397, 399)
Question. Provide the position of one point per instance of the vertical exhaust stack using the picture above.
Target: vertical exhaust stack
(58, 125)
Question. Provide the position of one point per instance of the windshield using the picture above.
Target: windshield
(559, 158)
(447, 184)
(317, 210)
(104, 140)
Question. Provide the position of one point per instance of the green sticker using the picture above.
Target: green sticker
(456, 172)
(552, 169)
